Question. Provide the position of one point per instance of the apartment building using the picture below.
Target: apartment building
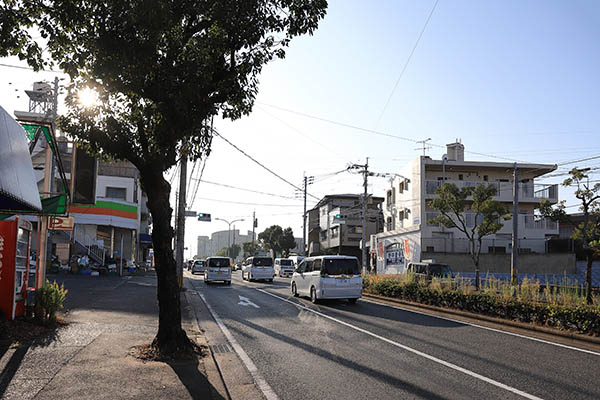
(410, 236)
(335, 224)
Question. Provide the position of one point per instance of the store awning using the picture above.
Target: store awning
(18, 188)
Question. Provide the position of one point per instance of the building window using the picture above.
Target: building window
(389, 224)
(355, 229)
(389, 197)
(335, 232)
(485, 178)
(324, 211)
(116, 193)
(323, 235)
(401, 187)
(460, 177)
(401, 215)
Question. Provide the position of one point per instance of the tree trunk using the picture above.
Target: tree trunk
(171, 338)
(588, 277)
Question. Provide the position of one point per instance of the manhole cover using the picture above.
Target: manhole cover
(220, 348)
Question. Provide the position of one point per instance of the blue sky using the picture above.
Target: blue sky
(515, 79)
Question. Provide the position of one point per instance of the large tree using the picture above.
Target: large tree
(161, 69)
(277, 239)
(588, 230)
(473, 211)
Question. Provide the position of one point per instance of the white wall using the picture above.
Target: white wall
(104, 181)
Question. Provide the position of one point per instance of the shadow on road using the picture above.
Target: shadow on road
(11, 367)
(378, 375)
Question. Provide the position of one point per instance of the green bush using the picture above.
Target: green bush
(48, 300)
(580, 317)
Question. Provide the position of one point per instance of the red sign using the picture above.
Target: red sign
(61, 223)
(8, 240)
(406, 249)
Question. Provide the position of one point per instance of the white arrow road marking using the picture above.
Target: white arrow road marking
(244, 301)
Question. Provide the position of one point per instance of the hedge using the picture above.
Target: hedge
(581, 318)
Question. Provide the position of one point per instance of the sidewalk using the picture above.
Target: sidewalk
(89, 359)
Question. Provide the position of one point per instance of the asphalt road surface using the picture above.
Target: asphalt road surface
(335, 350)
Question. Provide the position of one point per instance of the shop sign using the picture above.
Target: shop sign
(62, 223)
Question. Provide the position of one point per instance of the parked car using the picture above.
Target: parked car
(428, 270)
(328, 277)
(258, 268)
(199, 267)
(218, 269)
(284, 267)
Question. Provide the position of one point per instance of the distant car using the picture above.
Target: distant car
(426, 270)
(258, 268)
(199, 267)
(284, 267)
(296, 260)
(328, 277)
(218, 269)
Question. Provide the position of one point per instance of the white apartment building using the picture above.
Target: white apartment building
(409, 236)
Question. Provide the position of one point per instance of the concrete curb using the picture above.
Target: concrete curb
(500, 321)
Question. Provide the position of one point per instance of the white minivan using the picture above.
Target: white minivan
(258, 268)
(284, 267)
(218, 269)
(328, 277)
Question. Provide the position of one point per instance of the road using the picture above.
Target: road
(335, 350)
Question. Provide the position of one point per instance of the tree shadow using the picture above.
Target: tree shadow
(194, 381)
(11, 367)
(352, 365)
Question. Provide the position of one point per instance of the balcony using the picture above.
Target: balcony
(526, 222)
(528, 192)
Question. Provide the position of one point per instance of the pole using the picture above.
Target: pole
(304, 220)
(364, 217)
(121, 258)
(229, 239)
(181, 217)
(233, 240)
(253, 226)
(515, 235)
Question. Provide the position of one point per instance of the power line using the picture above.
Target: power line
(31, 69)
(198, 181)
(406, 64)
(259, 163)
(375, 132)
(250, 204)
(580, 160)
(248, 190)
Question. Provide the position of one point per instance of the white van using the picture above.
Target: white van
(258, 267)
(284, 267)
(328, 277)
(296, 260)
(218, 269)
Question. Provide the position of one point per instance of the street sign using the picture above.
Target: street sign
(204, 217)
(189, 213)
(61, 223)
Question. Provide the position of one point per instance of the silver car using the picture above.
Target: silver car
(199, 267)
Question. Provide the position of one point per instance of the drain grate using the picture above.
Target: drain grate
(220, 348)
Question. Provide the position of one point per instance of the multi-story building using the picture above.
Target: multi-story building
(208, 246)
(335, 224)
(409, 234)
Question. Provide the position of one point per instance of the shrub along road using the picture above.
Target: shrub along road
(337, 350)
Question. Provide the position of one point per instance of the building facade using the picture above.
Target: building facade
(335, 224)
(409, 234)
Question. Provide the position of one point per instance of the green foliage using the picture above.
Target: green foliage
(250, 249)
(222, 252)
(49, 299)
(524, 307)
(452, 204)
(281, 241)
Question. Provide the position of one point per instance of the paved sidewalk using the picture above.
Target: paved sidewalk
(88, 358)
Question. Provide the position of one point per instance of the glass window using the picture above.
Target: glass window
(340, 266)
(302, 267)
(317, 265)
(262, 261)
(286, 262)
(218, 262)
(309, 266)
(116, 193)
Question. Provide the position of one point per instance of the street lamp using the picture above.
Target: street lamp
(229, 232)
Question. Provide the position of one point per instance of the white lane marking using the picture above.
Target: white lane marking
(410, 349)
(484, 327)
(244, 301)
(262, 384)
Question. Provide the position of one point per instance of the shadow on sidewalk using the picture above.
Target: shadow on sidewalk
(194, 381)
(11, 368)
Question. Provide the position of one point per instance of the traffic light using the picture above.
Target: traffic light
(256, 222)
(204, 217)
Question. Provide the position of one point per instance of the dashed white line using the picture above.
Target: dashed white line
(262, 384)
(410, 349)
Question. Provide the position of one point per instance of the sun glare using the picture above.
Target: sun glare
(87, 97)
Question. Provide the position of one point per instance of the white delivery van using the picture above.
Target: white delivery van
(218, 269)
(284, 267)
(296, 260)
(328, 277)
(258, 268)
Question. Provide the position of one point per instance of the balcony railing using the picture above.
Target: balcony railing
(504, 190)
(527, 221)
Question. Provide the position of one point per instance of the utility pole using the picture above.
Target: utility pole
(253, 227)
(515, 235)
(181, 217)
(308, 180)
(365, 172)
